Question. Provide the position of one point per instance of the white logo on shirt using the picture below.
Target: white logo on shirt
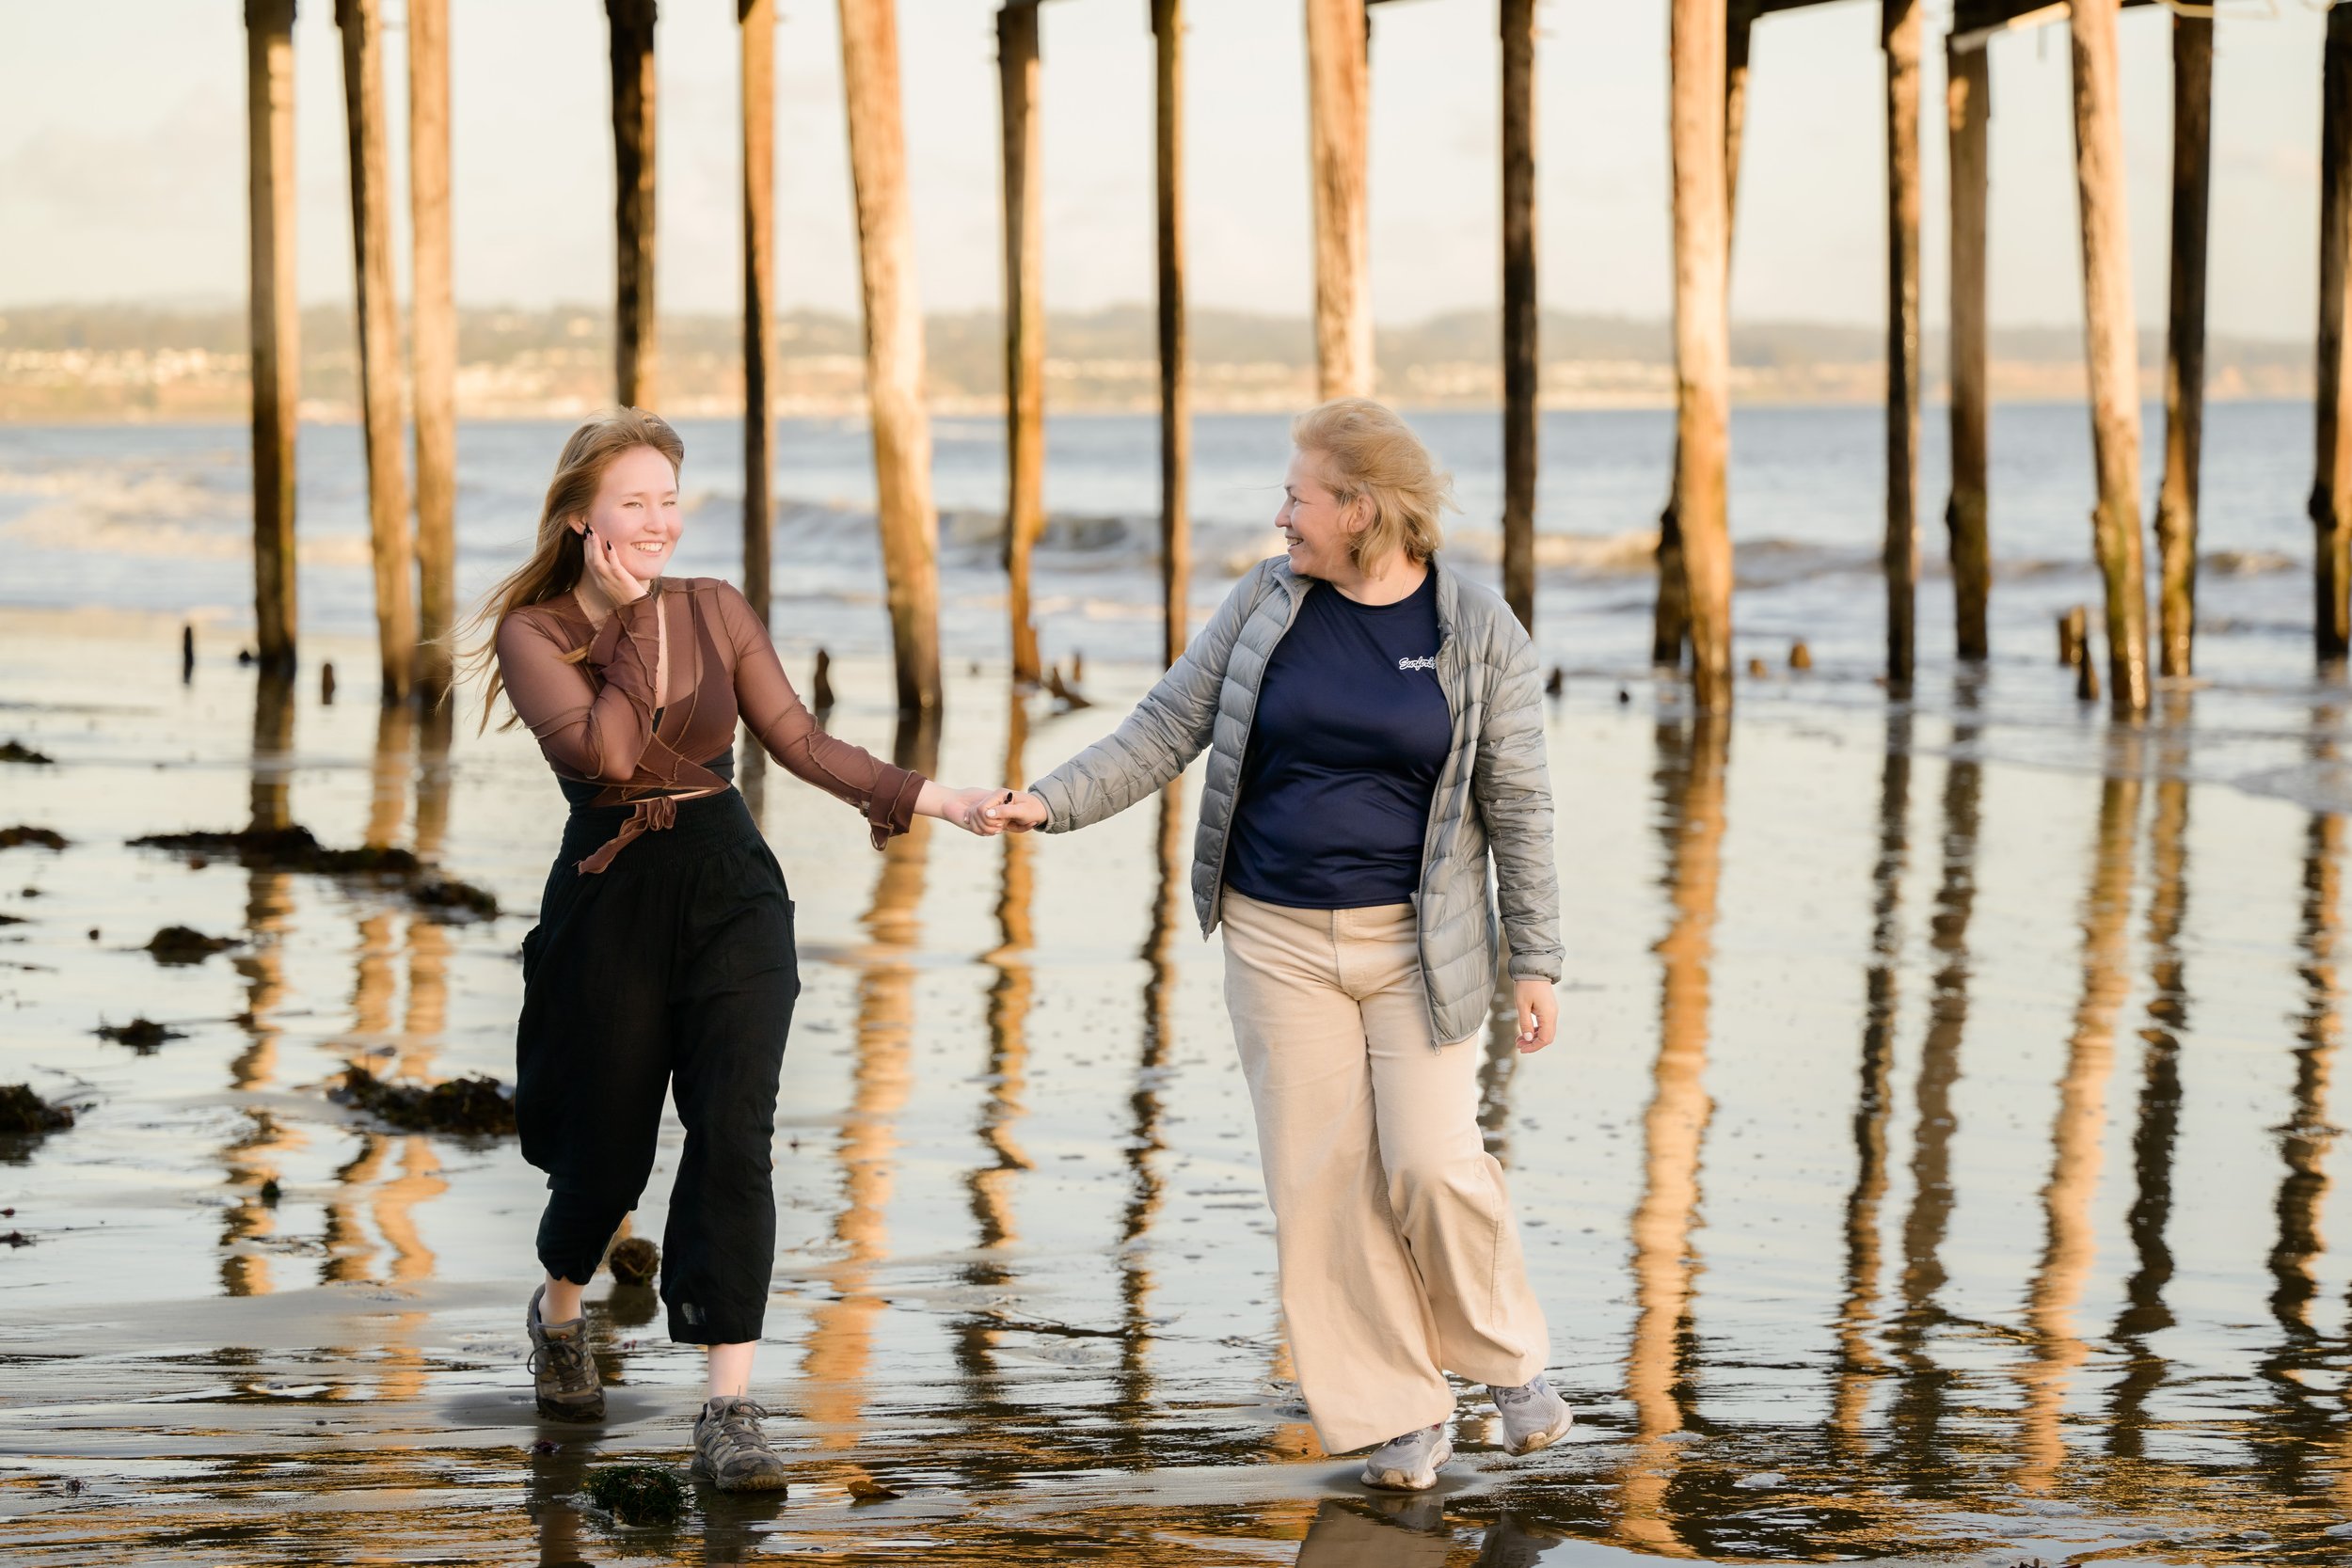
(1428, 663)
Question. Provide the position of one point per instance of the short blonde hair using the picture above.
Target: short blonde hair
(1369, 453)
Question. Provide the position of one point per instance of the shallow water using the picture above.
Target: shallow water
(1936, 1164)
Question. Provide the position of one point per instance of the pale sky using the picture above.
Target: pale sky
(122, 158)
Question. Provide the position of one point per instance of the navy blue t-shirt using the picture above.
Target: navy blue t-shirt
(1351, 733)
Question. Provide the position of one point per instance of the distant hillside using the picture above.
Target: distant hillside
(68, 363)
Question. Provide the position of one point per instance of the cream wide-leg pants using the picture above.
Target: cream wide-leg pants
(1399, 1259)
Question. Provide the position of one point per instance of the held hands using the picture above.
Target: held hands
(1015, 810)
(985, 812)
(1539, 1013)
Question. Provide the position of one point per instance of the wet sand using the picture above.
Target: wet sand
(1936, 1164)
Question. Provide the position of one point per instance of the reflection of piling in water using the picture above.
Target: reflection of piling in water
(1918, 1412)
(2304, 1141)
(429, 944)
(2157, 1127)
(991, 1183)
(253, 1158)
(1145, 1143)
(2302, 1358)
(840, 1338)
(1858, 1362)
(2070, 1244)
(1690, 798)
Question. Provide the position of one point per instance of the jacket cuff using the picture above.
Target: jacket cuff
(1535, 966)
(1058, 808)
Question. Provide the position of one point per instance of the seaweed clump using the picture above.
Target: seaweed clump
(141, 1035)
(16, 750)
(185, 944)
(41, 838)
(473, 1104)
(23, 1111)
(634, 1260)
(296, 849)
(638, 1493)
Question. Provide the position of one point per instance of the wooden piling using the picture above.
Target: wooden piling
(275, 321)
(757, 19)
(1167, 33)
(1967, 516)
(2111, 336)
(1520, 319)
(894, 346)
(2185, 341)
(2331, 488)
(1670, 621)
(1703, 338)
(1025, 320)
(1338, 108)
(1899, 33)
(361, 24)
(433, 339)
(634, 335)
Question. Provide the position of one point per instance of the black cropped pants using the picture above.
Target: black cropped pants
(672, 971)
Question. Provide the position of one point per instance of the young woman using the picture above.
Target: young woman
(1376, 735)
(662, 962)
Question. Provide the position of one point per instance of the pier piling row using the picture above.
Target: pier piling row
(1692, 608)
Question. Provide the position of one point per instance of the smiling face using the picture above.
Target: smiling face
(1313, 523)
(636, 510)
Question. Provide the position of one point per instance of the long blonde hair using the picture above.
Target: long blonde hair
(558, 557)
(1368, 452)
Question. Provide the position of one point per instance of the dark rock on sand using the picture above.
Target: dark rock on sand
(475, 1104)
(16, 750)
(182, 944)
(40, 838)
(638, 1493)
(141, 1035)
(634, 1260)
(23, 1111)
(294, 848)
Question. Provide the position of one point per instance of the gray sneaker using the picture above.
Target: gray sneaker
(561, 1373)
(1534, 1417)
(1410, 1463)
(730, 1450)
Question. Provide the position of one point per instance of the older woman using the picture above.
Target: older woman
(1375, 733)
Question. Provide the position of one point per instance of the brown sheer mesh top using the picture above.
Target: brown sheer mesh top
(614, 739)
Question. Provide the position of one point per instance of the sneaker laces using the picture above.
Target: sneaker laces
(564, 1357)
(740, 1421)
(1519, 1395)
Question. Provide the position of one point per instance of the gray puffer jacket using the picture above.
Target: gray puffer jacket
(1493, 794)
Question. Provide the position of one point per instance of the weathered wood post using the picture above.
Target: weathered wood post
(362, 23)
(433, 338)
(1899, 33)
(1670, 621)
(275, 321)
(2185, 341)
(1339, 113)
(1967, 516)
(634, 334)
(1520, 321)
(2111, 334)
(1167, 33)
(1025, 320)
(758, 24)
(2331, 489)
(1702, 339)
(894, 346)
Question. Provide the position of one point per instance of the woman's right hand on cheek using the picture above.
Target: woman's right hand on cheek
(1018, 812)
(605, 570)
